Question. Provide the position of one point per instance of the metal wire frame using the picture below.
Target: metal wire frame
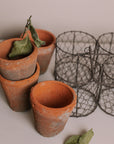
(106, 95)
(74, 66)
(104, 55)
(104, 75)
(104, 47)
(93, 63)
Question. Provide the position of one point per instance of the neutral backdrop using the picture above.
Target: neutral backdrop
(92, 16)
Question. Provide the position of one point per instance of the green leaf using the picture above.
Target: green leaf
(39, 43)
(86, 137)
(35, 37)
(21, 48)
(33, 32)
(72, 140)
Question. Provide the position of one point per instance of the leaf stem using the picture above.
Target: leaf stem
(27, 26)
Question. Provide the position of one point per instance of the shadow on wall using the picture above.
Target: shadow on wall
(11, 32)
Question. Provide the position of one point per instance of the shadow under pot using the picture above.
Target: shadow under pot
(17, 92)
(16, 69)
(44, 52)
(52, 103)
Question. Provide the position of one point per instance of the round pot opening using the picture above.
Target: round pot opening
(53, 95)
(46, 36)
(6, 46)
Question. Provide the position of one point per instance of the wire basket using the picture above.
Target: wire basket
(104, 55)
(72, 60)
(74, 43)
(106, 86)
(87, 100)
(106, 72)
(87, 65)
(74, 71)
(106, 100)
(74, 66)
(105, 47)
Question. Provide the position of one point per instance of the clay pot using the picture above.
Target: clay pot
(16, 69)
(52, 104)
(44, 52)
(17, 92)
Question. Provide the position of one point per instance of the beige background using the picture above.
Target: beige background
(92, 16)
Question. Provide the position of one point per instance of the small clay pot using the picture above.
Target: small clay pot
(52, 104)
(16, 69)
(45, 52)
(17, 92)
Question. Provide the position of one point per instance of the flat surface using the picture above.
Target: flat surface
(18, 127)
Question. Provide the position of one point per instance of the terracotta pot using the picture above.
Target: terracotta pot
(17, 92)
(52, 104)
(44, 52)
(16, 69)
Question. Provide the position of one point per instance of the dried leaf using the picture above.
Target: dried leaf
(72, 140)
(86, 137)
(21, 48)
(37, 41)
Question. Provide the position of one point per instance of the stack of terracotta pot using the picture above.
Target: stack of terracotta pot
(18, 76)
(52, 101)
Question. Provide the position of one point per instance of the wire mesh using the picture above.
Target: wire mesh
(87, 99)
(73, 66)
(106, 100)
(75, 71)
(105, 47)
(106, 89)
(108, 72)
(87, 65)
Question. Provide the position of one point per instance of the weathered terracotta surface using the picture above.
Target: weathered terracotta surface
(52, 104)
(45, 52)
(16, 69)
(17, 92)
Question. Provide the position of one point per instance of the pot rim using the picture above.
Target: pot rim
(21, 82)
(35, 103)
(25, 59)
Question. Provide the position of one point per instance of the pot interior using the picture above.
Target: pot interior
(45, 36)
(53, 95)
